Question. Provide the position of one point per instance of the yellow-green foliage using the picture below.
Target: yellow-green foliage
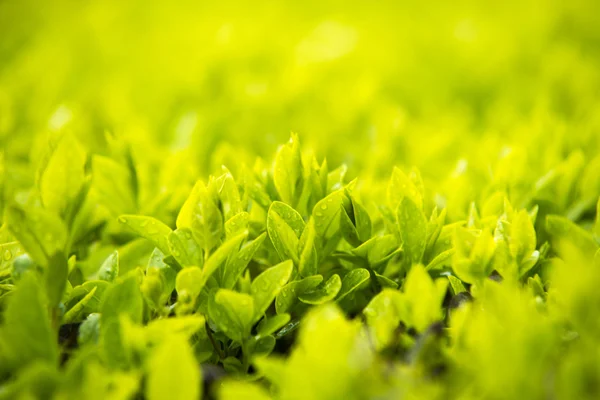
(431, 229)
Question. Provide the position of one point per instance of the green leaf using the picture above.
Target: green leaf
(237, 224)
(26, 334)
(269, 326)
(232, 313)
(201, 215)
(307, 266)
(149, 228)
(230, 197)
(285, 226)
(224, 251)
(189, 282)
(288, 296)
(235, 390)
(8, 253)
(89, 330)
(111, 185)
(287, 171)
(563, 231)
(237, 264)
(184, 248)
(55, 278)
(173, 372)
(267, 286)
(383, 316)
(323, 294)
(422, 298)
(400, 187)
(456, 285)
(440, 260)
(264, 345)
(123, 298)
(413, 229)
(355, 221)
(352, 281)
(64, 175)
(472, 260)
(109, 270)
(42, 234)
(597, 223)
(522, 239)
(326, 213)
(76, 312)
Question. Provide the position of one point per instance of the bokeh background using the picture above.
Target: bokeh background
(437, 85)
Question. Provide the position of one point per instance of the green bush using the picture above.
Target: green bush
(432, 232)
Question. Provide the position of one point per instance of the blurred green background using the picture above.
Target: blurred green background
(372, 84)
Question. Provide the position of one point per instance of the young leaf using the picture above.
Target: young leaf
(237, 224)
(42, 234)
(285, 226)
(109, 270)
(237, 264)
(287, 171)
(201, 215)
(288, 296)
(326, 213)
(323, 294)
(55, 278)
(413, 229)
(456, 285)
(562, 230)
(230, 197)
(422, 298)
(64, 175)
(123, 298)
(269, 326)
(149, 228)
(188, 282)
(26, 334)
(232, 313)
(111, 184)
(173, 371)
(268, 284)
(400, 187)
(184, 248)
(307, 266)
(352, 281)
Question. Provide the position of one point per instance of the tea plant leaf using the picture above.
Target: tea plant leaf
(237, 264)
(285, 226)
(413, 229)
(149, 228)
(233, 313)
(109, 270)
(202, 217)
(173, 371)
(323, 294)
(61, 181)
(267, 285)
(269, 326)
(352, 281)
(26, 334)
(184, 248)
(288, 296)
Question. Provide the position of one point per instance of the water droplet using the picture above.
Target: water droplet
(144, 223)
(330, 200)
(318, 214)
(123, 220)
(284, 293)
(7, 255)
(323, 206)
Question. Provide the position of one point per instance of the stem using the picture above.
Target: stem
(212, 341)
